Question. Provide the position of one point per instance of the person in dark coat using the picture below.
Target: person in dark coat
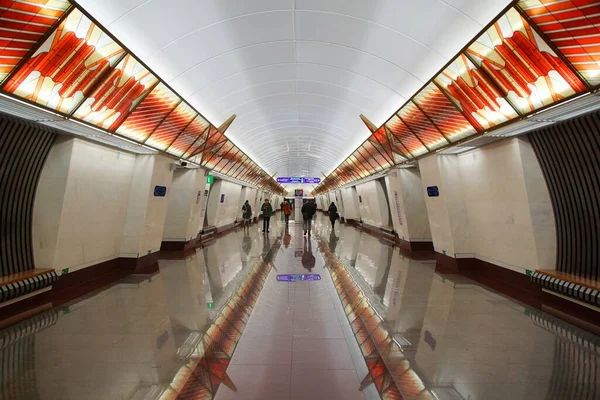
(308, 211)
(333, 214)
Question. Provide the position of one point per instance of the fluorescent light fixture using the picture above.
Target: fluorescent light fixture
(31, 105)
(559, 104)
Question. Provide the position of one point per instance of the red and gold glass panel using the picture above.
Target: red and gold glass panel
(65, 69)
(382, 161)
(402, 133)
(117, 95)
(190, 139)
(443, 113)
(155, 107)
(573, 26)
(172, 126)
(528, 73)
(479, 100)
(218, 154)
(422, 127)
(22, 25)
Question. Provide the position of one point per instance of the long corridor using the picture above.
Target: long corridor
(243, 318)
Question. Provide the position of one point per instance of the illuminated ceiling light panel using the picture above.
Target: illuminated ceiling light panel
(191, 138)
(22, 25)
(116, 96)
(422, 127)
(172, 126)
(401, 132)
(528, 73)
(573, 26)
(443, 113)
(66, 68)
(155, 107)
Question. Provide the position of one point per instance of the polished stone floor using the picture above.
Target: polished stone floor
(144, 337)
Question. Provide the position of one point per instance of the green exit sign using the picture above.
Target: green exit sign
(210, 179)
(210, 305)
(529, 272)
(64, 271)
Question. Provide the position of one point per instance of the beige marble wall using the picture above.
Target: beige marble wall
(221, 214)
(186, 199)
(374, 207)
(350, 198)
(493, 205)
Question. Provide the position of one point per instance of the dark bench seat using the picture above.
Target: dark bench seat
(569, 285)
(23, 283)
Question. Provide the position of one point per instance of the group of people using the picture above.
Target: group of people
(308, 211)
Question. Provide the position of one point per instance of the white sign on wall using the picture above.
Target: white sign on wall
(398, 207)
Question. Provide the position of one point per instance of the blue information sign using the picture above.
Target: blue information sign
(160, 191)
(433, 191)
(298, 277)
(292, 179)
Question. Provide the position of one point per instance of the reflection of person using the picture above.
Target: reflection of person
(333, 214)
(287, 211)
(267, 252)
(308, 211)
(287, 238)
(308, 260)
(333, 241)
(267, 212)
(247, 213)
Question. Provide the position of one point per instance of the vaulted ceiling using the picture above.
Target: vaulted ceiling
(297, 73)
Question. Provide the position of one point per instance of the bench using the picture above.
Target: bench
(23, 283)
(569, 285)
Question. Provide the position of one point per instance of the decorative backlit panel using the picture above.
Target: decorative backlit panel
(22, 26)
(172, 126)
(573, 26)
(155, 107)
(474, 94)
(528, 73)
(214, 156)
(67, 66)
(190, 139)
(401, 132)
(443, 113)
(422, 127)
(116, 96)
(382, 160)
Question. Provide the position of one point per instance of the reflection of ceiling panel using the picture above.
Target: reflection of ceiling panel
(483, 105)
(443, 113)
(117, 95)
(65, 69)
(172, 126)
(191, 138)
(573, 26)
(140, 124)
(529, 74)
(22, 25)
(401, 132)
(421, 126)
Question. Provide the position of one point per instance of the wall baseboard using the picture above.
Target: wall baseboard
(168, 245)
(415, 246)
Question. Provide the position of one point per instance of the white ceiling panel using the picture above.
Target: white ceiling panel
(297, 73)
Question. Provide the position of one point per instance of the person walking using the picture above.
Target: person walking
(287, 211)
(267, 212)
(247, 214)
(333, 214)
(308, 211)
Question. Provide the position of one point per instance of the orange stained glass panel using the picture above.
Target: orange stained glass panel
(446, 117)
(155, 107)
(191, 138)
(403, 134)
(66, 68)
(22, 26)
(117, 95)
(528, 73)
(422, 126)
(173, 125)
(479, 100)
(573, 26)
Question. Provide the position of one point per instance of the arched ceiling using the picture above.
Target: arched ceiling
(297, 73)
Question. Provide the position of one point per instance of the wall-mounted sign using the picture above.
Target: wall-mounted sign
(397, 201)
(298, 277)
(288, 179)
(210, 179)
(160, 191)
(222, 198)
(433, 191)
(298, 193)
(198, 196)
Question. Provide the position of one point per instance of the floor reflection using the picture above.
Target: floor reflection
(461, 340)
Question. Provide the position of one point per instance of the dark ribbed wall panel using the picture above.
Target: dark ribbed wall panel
(569, 155)
(24, 147)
